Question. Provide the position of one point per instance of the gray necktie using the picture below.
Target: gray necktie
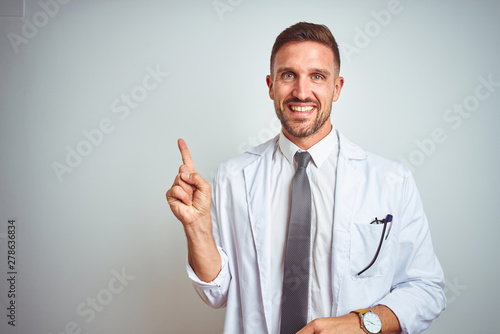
(296, 270)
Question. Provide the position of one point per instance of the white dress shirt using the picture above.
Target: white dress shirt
(322, 174)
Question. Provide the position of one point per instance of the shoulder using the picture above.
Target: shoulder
(387, 165)
(252, 155)
(370, 162)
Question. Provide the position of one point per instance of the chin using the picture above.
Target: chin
(300, 132)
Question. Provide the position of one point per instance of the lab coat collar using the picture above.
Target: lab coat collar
(348, 149)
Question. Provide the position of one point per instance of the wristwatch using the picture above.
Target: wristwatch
(370, 322)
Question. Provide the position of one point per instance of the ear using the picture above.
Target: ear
(339, 83)
(269, 82)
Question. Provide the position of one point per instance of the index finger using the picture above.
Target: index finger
(186, 156)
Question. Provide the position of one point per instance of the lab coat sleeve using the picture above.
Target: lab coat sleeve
(417, 294)
(214, 293)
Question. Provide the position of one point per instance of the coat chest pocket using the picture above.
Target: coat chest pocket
(365, 240)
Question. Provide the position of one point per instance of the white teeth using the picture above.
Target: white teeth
(301, 109)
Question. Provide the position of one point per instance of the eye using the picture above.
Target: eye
(288, 76)
(317, 77)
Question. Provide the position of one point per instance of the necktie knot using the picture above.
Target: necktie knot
(303, 158)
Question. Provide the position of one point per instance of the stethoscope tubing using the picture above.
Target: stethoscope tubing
(385, 221)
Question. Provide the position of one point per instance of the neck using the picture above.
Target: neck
(305, 143)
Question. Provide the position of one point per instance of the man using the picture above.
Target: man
(361, 274)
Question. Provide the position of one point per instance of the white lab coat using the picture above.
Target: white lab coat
(406, 276)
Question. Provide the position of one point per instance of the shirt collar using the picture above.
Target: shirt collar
(319, 151)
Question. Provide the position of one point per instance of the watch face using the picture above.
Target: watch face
(372, 322)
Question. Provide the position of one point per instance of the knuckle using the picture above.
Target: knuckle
(187, 189)
(316, 324)
(178, 192)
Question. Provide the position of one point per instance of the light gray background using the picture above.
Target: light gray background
(109, 214)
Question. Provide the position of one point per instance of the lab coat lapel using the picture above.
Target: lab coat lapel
(349, 174)
(257, 186)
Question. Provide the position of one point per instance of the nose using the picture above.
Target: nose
(302, 90)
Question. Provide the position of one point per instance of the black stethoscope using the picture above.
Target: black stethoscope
(385, 221)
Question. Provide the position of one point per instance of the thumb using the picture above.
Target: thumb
(196, 180)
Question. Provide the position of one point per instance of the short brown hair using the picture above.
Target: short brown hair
(304, 31)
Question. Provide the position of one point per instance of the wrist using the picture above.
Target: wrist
(369, 321)
(203, 255)
(202, 227)
(353, 319)
(200, 240)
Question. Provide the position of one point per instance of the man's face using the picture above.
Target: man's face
(303, 85)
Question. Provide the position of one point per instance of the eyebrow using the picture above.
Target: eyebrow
(321, 71)
(314, 70)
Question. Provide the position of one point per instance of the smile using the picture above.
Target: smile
(301, 109)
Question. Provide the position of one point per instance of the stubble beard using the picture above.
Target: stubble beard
(301, 130)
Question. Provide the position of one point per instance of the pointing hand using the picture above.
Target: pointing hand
(190, 195)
